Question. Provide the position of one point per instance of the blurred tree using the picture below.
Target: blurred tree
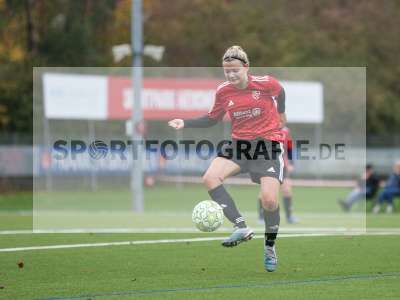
(46, 33)
(195, 33)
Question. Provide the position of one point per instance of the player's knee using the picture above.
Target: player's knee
(269, 202)
(211, 181)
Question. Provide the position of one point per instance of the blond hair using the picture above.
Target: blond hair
(236, 52)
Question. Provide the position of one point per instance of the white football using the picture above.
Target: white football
(208, 216)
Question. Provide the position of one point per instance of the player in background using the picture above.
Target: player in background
(256, 106)
(286, 187)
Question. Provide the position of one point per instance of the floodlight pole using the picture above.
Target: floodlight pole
(137, 74)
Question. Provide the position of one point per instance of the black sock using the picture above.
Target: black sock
(221, 196)
(287, 204)
(272, 221)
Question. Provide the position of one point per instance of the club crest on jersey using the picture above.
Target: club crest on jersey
(256, 94)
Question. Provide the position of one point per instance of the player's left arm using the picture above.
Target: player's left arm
(276, 91)
(282, 118)
(281, 106)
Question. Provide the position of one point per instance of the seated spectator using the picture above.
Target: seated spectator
(367, 187)
(391, 189)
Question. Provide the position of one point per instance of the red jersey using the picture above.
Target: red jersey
(253, 110)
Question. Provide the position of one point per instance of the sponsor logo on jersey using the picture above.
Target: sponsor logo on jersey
(231, 103)
(249, 113)
(241, 114)
(256, 112)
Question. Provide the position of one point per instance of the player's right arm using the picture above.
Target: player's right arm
(215, 114)
(176, 124)
(202, 122)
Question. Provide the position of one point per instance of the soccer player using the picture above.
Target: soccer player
(286, 186)
(256, 106)
(391, 190)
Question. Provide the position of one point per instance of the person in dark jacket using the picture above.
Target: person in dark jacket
(366, 188)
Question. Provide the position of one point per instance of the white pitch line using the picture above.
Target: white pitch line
(171, 241)
(282, 229)
(127, 243)
(144, 242)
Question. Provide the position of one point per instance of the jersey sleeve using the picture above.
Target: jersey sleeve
(217, 111)
(273, 87)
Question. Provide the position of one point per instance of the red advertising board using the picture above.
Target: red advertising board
(162, 99)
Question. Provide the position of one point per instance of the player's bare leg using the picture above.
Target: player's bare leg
(269, 199)
(219, 170)
(287, 195)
